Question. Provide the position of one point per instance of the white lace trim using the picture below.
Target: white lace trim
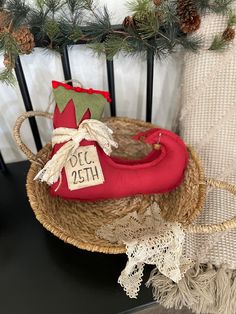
(149, 240)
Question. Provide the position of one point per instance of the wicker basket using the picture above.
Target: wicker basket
(76, 222)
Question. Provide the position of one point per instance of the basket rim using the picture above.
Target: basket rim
(202, 187)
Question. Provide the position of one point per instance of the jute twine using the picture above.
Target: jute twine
(76, 222)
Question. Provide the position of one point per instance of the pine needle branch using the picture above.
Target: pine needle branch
(138, 7)
(19, 10)
(2, 3)
(74, 6)
(192, 44)
(115, 44)
(231, 19)
(88, 5)
(216, 6)
(98, 29)
(54, 5)
(40, 4)
(7, 77)
(219, 43)
(222, 6)
(8, 44)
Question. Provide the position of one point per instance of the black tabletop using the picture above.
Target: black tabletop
(40, 274)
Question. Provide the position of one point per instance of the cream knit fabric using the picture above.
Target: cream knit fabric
(208, 123)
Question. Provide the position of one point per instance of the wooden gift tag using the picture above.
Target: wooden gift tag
(84, 168)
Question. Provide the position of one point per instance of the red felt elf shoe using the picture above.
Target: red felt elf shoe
(81, 153)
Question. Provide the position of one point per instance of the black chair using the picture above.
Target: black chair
(33, 263)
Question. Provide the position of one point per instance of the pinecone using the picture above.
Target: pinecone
(128, 22)
(5, 19)
(8, 63)
(188, 15)
(25, 39)
(157, 2)
(229, 34)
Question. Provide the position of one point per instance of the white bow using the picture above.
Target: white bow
(90, 130)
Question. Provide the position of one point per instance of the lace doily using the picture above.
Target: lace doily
(149, 240)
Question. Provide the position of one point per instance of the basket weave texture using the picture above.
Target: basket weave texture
(76, 222)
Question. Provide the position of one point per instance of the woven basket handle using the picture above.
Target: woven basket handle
(16, 133)
(227, 224)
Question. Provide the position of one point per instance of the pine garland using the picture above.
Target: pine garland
(217, 6)
(154, 26)
(222, 41)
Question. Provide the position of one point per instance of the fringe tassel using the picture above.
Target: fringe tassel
(233, 294)
(203, 284)
(169, 293)
(204, 289)
(223, 289)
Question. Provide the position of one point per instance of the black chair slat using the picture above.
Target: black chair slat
(66, 65)
(111, 86)
(149, 88)
(3, 166)
(27, 102)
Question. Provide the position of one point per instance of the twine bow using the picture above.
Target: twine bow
(91, 130)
